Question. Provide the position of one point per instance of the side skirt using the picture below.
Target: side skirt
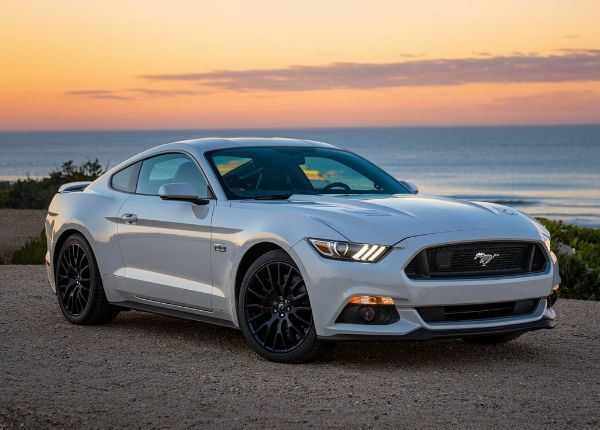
(174, 313)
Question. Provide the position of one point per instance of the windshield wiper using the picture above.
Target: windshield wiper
(274, 197)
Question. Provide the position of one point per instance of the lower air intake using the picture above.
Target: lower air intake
(478, 311)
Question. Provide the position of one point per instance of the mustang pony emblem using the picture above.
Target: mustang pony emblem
(484, 258)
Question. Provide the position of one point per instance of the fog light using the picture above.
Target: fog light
(371, 300)
(369, 310)
(366, 313)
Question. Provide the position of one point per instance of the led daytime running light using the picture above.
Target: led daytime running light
(367, 253)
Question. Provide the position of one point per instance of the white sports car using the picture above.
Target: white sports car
(297, 243)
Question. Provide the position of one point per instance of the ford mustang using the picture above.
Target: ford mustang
(297, 243)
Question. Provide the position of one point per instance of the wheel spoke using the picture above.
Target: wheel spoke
(299, 296)
(80, 300)
(297, 284)
(281, 331)
(260, 296)
(267, 324)
(256, 306)
(272, 332)
(71, 257)
(302, 320)
(270, 278)
(69, 288)
(292, 326)
(258, 315)
(75, 256)
(64, 265)
(286, 281)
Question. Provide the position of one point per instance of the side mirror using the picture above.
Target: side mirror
(181, 191)
(412, 188)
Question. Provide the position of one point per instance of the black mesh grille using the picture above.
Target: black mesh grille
(477, 259)
(478, 311)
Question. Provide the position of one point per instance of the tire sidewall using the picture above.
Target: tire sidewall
(94, 285)
(309, 341)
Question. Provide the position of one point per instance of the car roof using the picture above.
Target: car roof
(200, 146)
(213, 143)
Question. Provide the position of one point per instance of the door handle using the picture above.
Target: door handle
(129, 218)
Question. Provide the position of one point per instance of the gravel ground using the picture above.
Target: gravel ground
(18, 225)
(144, 370)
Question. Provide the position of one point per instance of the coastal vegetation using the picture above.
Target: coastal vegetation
(32, 193)
(578, 253)
(32, 252)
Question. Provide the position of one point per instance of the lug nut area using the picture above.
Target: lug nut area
(282, 307)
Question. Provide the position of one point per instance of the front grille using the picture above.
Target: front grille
(477, 259)
(477, 312)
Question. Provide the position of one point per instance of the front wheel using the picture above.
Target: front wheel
(275, 313)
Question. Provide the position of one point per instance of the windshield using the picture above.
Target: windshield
(247, 173)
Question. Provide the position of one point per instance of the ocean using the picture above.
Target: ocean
(550, 171)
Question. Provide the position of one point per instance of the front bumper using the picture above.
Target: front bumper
(331, 284)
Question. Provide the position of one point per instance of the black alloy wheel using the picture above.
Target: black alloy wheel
(79, 287)
(275, 312)
(74, 278)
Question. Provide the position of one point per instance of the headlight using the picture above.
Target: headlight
(547, 243)
(362, 252)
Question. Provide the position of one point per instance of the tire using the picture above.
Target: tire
(79, 286)
(495, 339)
(274, 311)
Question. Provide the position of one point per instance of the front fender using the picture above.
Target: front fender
(238, 230)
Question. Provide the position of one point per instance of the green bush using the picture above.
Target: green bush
(579, 271)
(4, 190)
(33, 252)
(37, 193)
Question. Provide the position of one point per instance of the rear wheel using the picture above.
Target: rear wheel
(495, 339)
(78, 284)
(275, 313)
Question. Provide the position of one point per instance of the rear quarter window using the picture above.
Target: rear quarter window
(125, 180)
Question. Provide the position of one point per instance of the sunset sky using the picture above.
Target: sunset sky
(128, 64)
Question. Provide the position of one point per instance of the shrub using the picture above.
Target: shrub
(36, 194)
(580, 271)
(33, 252)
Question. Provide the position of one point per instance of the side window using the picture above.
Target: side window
(170, 168)
(125, 179)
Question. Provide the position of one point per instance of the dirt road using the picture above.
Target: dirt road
(152, 371)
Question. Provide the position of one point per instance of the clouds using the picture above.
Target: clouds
(567, 66)
(154, 92)
(98, 94)
(132, 93)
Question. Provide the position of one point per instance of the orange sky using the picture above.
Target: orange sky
(216, 64)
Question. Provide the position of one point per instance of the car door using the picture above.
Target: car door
(165, 243)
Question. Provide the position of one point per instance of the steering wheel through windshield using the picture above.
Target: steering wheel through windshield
(335, 185)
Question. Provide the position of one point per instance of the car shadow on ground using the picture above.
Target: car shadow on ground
(406, 354)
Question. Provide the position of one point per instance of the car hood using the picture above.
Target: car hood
(390, 219)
